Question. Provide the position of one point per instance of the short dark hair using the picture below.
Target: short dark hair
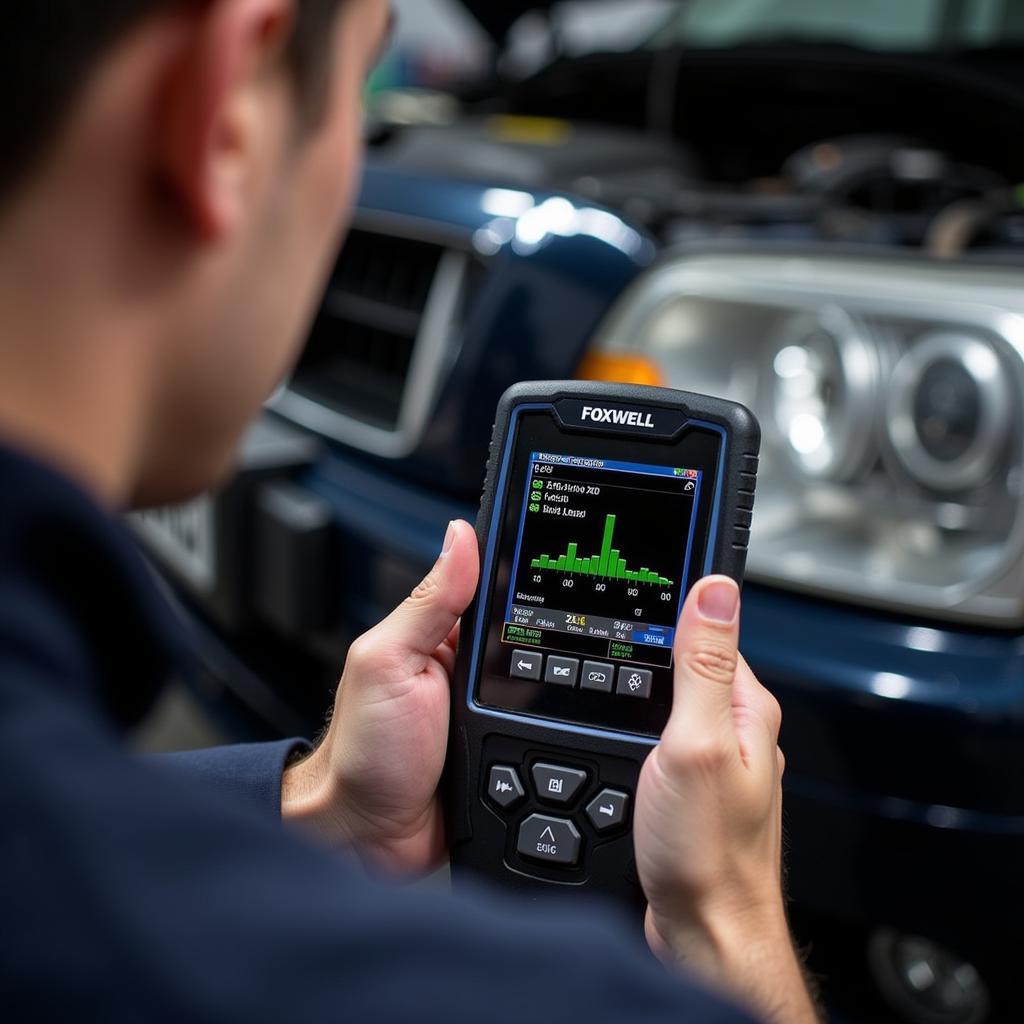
(49, 47)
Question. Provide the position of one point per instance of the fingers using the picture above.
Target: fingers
(426, 619)
(706, 661)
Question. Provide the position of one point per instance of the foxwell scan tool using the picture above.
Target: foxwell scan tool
(602, 505)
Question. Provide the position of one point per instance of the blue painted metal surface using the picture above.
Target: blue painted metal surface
(532, 318)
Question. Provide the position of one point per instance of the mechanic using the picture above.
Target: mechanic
(176, 176)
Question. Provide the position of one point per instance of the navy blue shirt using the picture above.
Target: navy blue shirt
(170, 891)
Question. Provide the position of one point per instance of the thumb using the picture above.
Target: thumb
(428, 615)
(706, 658)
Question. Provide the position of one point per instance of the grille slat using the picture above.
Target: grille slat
(359, 353)
(346, 307)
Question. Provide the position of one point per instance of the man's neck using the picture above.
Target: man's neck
(74, 389)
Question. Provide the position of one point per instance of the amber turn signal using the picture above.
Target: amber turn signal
(621, 368)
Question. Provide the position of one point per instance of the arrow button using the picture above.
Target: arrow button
(550, 840)
(608, 810)
(526, 664)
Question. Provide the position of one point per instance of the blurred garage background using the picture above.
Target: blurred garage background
(814, 208)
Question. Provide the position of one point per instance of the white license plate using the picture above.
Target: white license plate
(184, 538)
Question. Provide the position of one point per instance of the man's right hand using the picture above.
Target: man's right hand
(708, 823)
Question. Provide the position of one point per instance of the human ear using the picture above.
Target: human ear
(217, 116)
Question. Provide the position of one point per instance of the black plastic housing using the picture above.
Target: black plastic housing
(482, 837)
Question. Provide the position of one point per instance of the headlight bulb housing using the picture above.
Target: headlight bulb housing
(890, 392)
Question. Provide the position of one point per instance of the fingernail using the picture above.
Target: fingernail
(449, 540)
(719, 601)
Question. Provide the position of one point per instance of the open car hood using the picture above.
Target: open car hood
(498, 18)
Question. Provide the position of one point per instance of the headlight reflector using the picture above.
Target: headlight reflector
(825, 384)
(889, 392)
(950, 411)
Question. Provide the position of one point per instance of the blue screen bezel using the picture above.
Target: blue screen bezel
(490, 553)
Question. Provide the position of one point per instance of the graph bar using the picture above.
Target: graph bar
(609, 564)
(606, 545)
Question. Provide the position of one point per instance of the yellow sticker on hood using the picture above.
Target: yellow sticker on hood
(530, 131)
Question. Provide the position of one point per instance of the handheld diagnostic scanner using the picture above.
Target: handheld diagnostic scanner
(602, 505)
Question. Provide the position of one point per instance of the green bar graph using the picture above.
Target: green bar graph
(608, 565)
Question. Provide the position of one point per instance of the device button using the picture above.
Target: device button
(563, 671)
(553, 840)
(597, 676)
(527, 664)
(504, 787)
(608, 809)
(635, 682)
(557, 784)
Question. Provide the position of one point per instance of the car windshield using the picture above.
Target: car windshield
(591, 26)
(438, 42)
(869, 24)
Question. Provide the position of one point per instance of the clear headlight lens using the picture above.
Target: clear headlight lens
(825, 381)
(890, 395)
(951, 411)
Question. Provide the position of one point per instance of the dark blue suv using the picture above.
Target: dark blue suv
(817, 215)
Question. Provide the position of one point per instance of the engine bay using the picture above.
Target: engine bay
(812, 144)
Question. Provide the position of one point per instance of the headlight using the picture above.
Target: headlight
(890, 396)
(825, 384)
(951, 411)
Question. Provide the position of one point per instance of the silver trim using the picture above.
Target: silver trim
(185, 538)
(431, 351)
(975, 466)
(664, 315)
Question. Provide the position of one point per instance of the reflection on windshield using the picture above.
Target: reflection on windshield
(590, 26)
(438, 43)
(869, 24)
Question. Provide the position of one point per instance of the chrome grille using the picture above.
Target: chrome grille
(361, 348)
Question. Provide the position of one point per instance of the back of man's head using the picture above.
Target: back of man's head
(49, 47)
(175, 177)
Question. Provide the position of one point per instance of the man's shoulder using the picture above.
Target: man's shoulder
(111, 861)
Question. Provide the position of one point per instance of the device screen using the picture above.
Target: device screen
(601, 540)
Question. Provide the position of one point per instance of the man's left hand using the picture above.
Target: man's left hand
(372, 782)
